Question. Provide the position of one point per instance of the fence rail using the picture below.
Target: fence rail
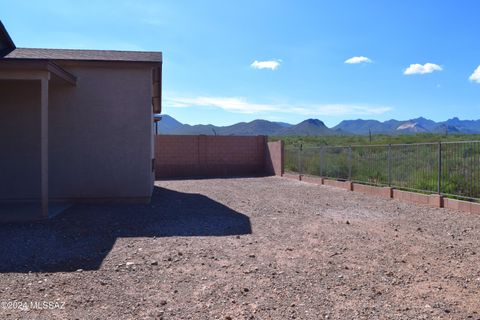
(447, 168)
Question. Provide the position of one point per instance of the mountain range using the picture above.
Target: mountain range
(315, 127)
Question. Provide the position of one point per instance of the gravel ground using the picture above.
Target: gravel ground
(253, 248)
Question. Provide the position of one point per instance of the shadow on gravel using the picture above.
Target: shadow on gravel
(82, 236)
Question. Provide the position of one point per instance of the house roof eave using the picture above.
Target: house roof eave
(39, 65)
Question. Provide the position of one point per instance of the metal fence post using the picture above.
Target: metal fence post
(300, 169)
(439, 182)
(321, 162)
(350, 163)
(298, 160)
(389, 165)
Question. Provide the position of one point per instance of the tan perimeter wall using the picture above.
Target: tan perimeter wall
(274, 163)
(213, 156)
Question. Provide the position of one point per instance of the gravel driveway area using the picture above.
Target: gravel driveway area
(246, 248)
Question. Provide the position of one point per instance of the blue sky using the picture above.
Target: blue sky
(231, 61)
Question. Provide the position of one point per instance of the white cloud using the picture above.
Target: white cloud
(475, 77)
(340, 110)
(232, 104)
(422, 69)
(270, 64)
(356, 60)
(241, 105)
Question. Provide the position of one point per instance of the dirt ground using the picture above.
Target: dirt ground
(249, 248)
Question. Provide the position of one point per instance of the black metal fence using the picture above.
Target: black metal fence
(448, 168)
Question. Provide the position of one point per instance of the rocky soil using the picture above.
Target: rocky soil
(249, 248)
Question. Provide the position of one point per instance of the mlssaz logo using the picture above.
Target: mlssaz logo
(32, 305)
(47, 305)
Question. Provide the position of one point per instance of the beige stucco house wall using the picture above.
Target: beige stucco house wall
(19, 139)
(100, 133)
(77, 125)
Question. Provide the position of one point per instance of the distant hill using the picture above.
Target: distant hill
(284, 124)
(411, 127)
(310, 127)
(464, 126)
(315, 127)
(256, 127)
(426, 124)
(418, 125)
(168, 125)
(363, 127)
(444, 128)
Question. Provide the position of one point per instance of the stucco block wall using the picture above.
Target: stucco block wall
(384, 192)
(414, 197)
(311, 179)
(19, 140)
(338, 184)
(100, 134)
(274, 158)
(472, 207)
(209, 156)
